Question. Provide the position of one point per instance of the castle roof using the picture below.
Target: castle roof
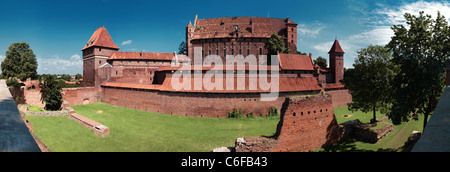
(286, 84)
(295, 62)
(247, 27)
(146, 56)
(336, 48)
(101, 38)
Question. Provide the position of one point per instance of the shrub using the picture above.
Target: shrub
(12, 82)
(273, 112)
(236, 114)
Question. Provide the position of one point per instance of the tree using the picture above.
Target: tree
(78, 76)
(182, 48)
(420, 52)
(274, 45)
(19, 62)
(51, 92)
(322, 62)
(66, 77)
(369, 84)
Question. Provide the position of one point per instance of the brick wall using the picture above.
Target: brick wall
(80, 95)
(306, 123)
(190, 104)
(340, 97)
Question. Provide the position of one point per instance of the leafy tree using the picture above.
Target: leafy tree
(420, 51)
(78, 76)
(66, 77)
(182, 48)
(51, 92)
(19, 62)
(275, 44)
(322, 62)
(301, 53)
(369, 83)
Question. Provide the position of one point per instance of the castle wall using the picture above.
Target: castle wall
(306, 123)
(340, 97)
(191, 104)
(80, 95)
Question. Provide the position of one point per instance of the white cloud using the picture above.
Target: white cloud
(380, 35)
(395, 16)
(310, 30)
(56, 65)
(128, 42)
(2, 58)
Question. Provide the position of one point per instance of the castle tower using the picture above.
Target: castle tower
(189, 35)
(337, 61)
(291, 28)
(95, 53)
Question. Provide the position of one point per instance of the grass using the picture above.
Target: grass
(391, 142)
(141, 131)
(35, 108)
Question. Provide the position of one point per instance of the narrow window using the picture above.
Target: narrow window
(294, 114)
(260, 51)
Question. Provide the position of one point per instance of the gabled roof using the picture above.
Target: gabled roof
(336, 48)
(295, 62)
(101, 38)
(141, 56)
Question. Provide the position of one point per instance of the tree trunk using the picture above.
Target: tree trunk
(374, 120)
(425, 121)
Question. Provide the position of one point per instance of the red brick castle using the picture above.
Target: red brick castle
(142, 80)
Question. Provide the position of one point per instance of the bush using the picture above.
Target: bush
(236, 114)
(12, 82)
(273, 112)
(51, 92)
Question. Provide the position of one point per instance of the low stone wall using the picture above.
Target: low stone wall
(23, 108)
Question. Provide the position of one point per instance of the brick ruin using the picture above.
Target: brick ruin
(306, 123)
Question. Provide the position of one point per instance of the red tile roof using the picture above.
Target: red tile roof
(336, 48)
(259, 27)
(131, 85)
(286, 84)
(225, 67)
(101, 38)
(141, 55)
(295, 62)
(333, 85)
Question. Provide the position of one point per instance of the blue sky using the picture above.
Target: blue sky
(58, 30)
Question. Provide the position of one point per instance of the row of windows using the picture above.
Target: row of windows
(232, 52)
(308, 112)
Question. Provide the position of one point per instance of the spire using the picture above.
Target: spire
(101, 38)
(195, 20)
(336, 48)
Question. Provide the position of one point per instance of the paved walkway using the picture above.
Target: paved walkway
(14, 135)
(436, 137)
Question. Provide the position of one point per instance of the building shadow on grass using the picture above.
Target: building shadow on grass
(348, 145)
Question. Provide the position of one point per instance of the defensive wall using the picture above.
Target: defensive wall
(306, 123)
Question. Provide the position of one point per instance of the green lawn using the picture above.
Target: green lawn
(136, 131)
(390, 142)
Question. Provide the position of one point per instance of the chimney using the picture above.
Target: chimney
(142, 54)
